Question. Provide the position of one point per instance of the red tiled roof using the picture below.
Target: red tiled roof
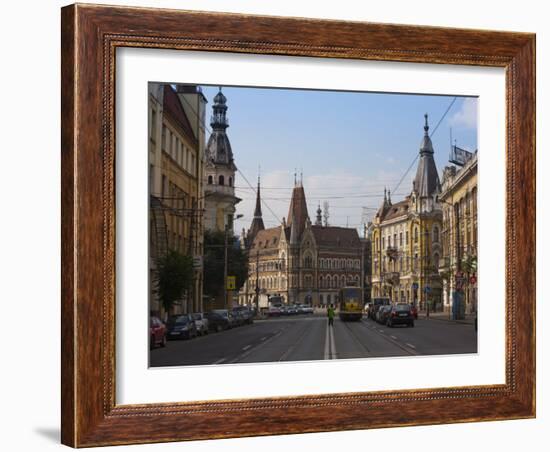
(336, 236)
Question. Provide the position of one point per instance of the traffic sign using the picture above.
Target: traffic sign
(231, 282)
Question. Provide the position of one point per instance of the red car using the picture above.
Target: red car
(157, 333)
(414, 312)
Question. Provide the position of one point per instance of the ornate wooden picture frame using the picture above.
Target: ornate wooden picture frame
(90, 37)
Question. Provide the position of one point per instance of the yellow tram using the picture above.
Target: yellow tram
(350, 303)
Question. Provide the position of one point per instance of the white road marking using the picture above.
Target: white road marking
(327, 342)
(393, 337)
(247, 347)
(332, 344)
(381, 331)
(263, 338)
(219, 361)
(410, 345)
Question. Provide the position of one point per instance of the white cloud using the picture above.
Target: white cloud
(467, 115)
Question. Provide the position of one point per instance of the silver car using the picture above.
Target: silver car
(201, 322)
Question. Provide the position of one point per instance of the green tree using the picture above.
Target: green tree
(174, 274)
(214, 245)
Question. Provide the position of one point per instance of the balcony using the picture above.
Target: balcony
(391, 252)
(391, 278)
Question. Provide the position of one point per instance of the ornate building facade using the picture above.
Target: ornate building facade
(406, 239)
(459, 264)
(176, 141)
(299, 261)
(219, 171)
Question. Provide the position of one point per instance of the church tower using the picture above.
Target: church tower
(219, 171)
(426, 185)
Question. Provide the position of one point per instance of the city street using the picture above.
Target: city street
(308, 338)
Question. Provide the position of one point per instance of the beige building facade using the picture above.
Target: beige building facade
(175, 185)
(458, 265)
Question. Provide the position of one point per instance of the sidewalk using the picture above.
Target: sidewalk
(446, 317)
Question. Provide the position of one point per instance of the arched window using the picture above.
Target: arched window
(230, 181)
(210, 180)
(415, 235)
(221, 180)
(342, 281)
(436, 234)
(308, 261)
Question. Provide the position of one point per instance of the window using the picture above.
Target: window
(221, 180)
(400, 239)
(230, 181)
(153, 124)
(308, 261)
(210, 180)
(436, 234)
(395, 240)
(415, 235)
(406, 237)
(164, 137)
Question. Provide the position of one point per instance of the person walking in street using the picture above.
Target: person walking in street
(330, 315)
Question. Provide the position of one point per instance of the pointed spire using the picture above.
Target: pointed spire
(389, 197)
(293, 230)
(426, 181)
(258, 209)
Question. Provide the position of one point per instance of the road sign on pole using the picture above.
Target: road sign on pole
(231, 283)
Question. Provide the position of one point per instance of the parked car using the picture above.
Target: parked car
(400, 314)
(246, 313)
(238, 317)
(382, 313)
(201, 322)
(305, 309)
(228, 315)
(182, 327)
(275, 310)
(157, 333)
(217, 322)
(291, 309)
(376, 303)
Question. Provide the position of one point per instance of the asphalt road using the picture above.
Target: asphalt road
(308, 338)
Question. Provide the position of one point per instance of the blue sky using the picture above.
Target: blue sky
(348, 145)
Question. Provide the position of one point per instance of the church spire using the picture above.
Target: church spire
(218, 121)
(426, 183)
(257, 224)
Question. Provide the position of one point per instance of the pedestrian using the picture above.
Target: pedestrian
(330, 315)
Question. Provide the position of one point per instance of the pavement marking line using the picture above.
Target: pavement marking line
(332, 344)
(393, 337)
(327, 342)
(219, 361)
(410, 345)
(246, 347)
(263, 338)
(381, 331)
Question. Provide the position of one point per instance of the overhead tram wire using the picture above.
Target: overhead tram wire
(431, 134)
(238, 170)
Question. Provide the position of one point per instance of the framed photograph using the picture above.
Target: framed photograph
(323, 225)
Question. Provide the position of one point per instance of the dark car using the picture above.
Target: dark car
(375, 306)
(400, 314)
(238, 317)
(382, 313)
(219, 320)
(246, 314)
(182, 327)
(157, 333)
